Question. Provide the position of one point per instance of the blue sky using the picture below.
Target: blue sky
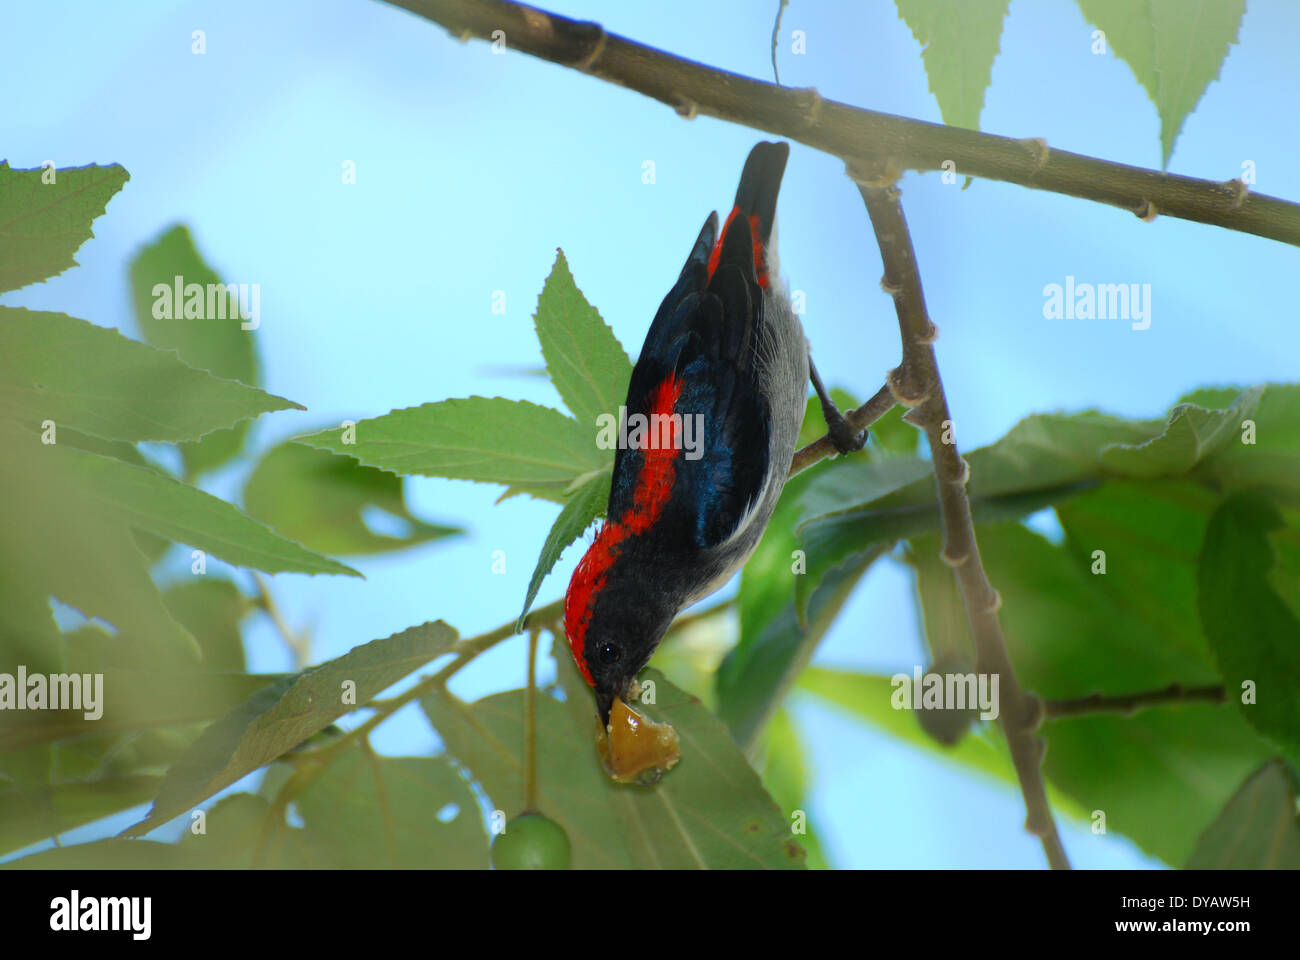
(472, 168)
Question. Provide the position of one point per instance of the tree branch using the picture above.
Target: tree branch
(863, 136)
(859, 419)
(1131, 703)
(916, 383)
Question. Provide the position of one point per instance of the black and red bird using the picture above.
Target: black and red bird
(726, 350)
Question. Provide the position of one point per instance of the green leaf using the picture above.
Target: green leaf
(1150, 535)
(210, 338)
(1044, 460)
(586, 362)
(769, 579)
(55, 539)
(43, 224)
(28, 633)
(320, 499)
(402, 812)
(869, 697)
(136, 700)
(211, 609)
(753, 678)
(710, 811)
(111, 854)
(943, 614)
(1266, 454)
(583, 506)
(56, 367)
(785, 777)
(1174, 47)
(29, 817)
(1255, 635)
(1192, 434)
(245, 831)
(959, 43)
(1259, 829)
(281, 716)
(1044, 452)
(149, 501)
(232, 832)
(1161, 775)
(891, 435)
(495, 440)
(836, 538)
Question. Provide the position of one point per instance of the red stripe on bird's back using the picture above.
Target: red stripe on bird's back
(654, 487)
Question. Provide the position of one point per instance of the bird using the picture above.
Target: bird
(725, 365)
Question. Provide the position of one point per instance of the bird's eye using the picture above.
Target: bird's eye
(610, 653)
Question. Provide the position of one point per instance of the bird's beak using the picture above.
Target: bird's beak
(604, 704)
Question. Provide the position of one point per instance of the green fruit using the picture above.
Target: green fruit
(531, 842)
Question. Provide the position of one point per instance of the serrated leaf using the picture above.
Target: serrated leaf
(959, 42)
(211, 609)
(281, 716)
(111, 854)
(146, 500)
(709, 811)
(43, 224)
(1044, 460)
(583, 506)
(1041, 452)
(399, 812)
(1255, 635)
(1174, 47)
(1259, 829)
(27, 817)
(320, 500)
(1265, 455)
(214, 341)
(487, 440)
(1192, 434)
(56, 367)
(56, 540)
(587, 364)
(136, 699)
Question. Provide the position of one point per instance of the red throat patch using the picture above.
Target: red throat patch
(760, 261)
(654, 486)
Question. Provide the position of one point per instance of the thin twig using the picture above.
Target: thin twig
(530, 725)
(854, 134)
(916, 383)
(1131, 703)
(859, 419)
(776, 33)
(466, 650)
(298, 646)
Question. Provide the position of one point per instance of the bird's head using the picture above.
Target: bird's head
(614, 617)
